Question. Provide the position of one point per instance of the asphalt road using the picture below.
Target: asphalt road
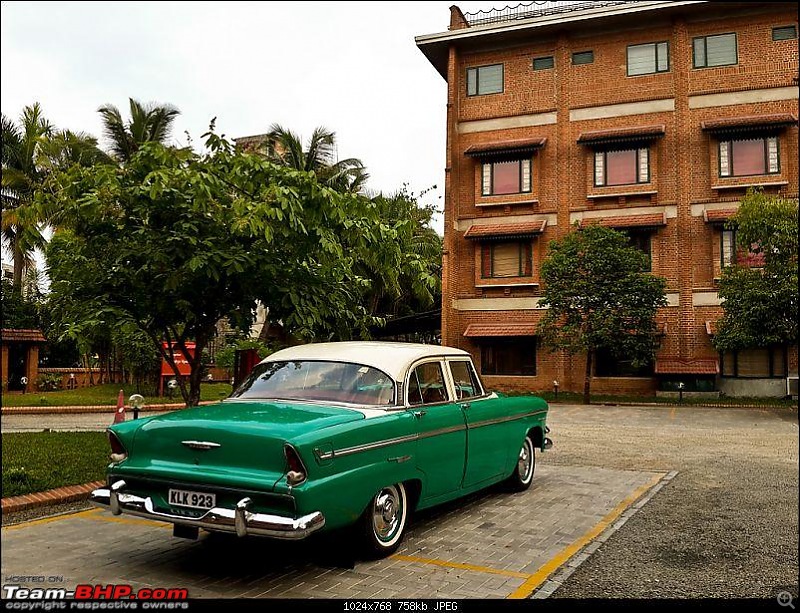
(725, 526)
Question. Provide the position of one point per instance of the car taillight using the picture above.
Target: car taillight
(296, 472)
(118, 451)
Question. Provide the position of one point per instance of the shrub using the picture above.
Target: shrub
(48, 383)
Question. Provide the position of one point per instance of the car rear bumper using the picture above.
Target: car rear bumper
(238, 520)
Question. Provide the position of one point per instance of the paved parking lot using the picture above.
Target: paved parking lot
(714, 493)
(494, 545)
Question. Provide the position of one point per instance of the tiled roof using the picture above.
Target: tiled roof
(711, 328)
(486, 231)
(519, 145)
(718, 215)
(484, 330)
(614, 135)
(28, 336)
(627, 221)
(677, 366)
(749, 121)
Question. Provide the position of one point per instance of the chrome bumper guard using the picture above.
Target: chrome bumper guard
(238, 520)
(548, 444)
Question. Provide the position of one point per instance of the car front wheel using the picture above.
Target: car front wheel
(520, 480)
(384, 521)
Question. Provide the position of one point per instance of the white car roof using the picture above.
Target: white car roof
(392, 358)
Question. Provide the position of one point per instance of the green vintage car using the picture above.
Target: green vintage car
(325, 436)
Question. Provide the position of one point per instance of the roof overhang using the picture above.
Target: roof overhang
(652, 220)
(512, 32)
(508, 147)
(500, 330)
(678, 366)
(22, 336)
(773, 122)
(615, 136)
(718, 216)
(505, 230)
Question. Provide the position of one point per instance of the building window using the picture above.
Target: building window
(728, 248)
(717, 50)
(621, 167)
(543, 63)
(761, 363)
(747, 157)
(503, 259)
(583, 57)
(648, 59)
(609, 365)
(485, 80)
(784, 33)
(643, 241)
(506, 177)
(509, 356)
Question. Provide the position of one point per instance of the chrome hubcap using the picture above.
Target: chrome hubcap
(525, 462)
(387, 512)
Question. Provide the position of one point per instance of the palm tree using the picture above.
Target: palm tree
(148, 123)
(22, 176)
(318, 156)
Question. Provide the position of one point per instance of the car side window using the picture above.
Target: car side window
(426, 384)
(465, 380)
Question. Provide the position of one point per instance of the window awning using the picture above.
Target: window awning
(711, 328)
(495, 330)
(718, 216)
(505, 230)
(23, 336)
(749, 123)
(678, 366)
(653, 220)
(520, 145)
(614, 136)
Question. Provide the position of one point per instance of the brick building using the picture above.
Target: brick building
(650, 117)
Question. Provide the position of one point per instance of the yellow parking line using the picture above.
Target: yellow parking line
(479, 569)
(47, 520)
(541, 575)
(137, 521)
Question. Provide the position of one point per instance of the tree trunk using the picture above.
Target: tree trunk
(19, 264)
(587, 379)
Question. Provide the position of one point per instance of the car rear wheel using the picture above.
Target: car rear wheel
(520, 480)
(384, 521)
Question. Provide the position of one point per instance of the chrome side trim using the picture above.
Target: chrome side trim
(500, 420)
(327, 455)
(204, 445)
(238, 520)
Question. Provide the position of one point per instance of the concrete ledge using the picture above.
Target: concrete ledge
(45, 409)
(68, 493)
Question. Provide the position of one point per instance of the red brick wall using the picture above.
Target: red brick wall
(683, 164)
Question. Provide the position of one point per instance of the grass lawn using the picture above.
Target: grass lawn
(38, 461)
(106, 394)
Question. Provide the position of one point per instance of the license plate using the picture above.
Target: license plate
(193, 500)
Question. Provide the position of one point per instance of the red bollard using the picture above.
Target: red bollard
(119, 414)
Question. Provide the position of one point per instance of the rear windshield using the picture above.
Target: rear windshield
(340, 382)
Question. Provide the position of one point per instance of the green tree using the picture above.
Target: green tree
(172, 241)
(318, 156)
(22, 176)
(760, 304)
(148, 123)
(598, 297)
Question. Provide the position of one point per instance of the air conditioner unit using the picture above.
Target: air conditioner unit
(791, 386)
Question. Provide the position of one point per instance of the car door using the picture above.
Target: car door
(441, 428)
(487, 440)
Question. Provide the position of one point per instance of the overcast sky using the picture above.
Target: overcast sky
(350, 66)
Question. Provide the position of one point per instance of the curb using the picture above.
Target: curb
(96, 408)
(69, 493)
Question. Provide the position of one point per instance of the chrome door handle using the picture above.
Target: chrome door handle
(465, 405)
(419, 414)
